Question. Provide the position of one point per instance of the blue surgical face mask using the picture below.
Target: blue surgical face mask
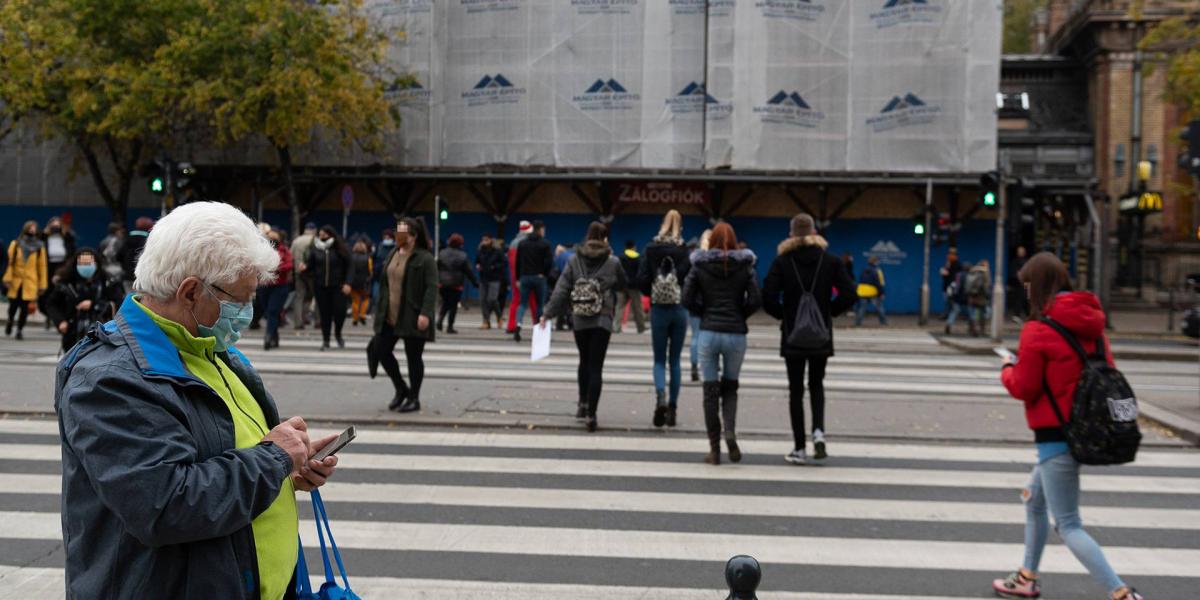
(388, 242)
(86, 271)
(233, 318)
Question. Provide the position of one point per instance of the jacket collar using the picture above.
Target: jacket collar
(153, 350)
(710, 255)
(795, 243)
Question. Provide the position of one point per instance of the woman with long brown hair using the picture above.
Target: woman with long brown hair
(722, 289)
(661, 278)
(26, 276)
(1047, 369)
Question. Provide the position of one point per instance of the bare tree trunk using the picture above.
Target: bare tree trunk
(117, 206)
(285, 166)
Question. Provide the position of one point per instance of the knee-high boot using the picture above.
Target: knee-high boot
(729, 402)
(712, 421)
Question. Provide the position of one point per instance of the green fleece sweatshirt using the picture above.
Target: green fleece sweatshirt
(276, 529)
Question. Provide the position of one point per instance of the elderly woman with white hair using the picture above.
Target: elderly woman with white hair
(178, 477)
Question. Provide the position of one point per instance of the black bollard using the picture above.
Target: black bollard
(743, 574)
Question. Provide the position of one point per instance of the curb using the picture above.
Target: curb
(1187, 429)
(1118, 352)
(573, 427)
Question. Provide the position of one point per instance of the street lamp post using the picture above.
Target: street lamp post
(998, 286)
(925, 270)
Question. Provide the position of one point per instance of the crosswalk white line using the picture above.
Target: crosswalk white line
(669, 470)
(38, 582)
(654, 545)
(1011, 513)
(1023, 455)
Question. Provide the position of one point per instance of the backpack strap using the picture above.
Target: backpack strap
(1054, 405)
(1071, 340)
(813, 287)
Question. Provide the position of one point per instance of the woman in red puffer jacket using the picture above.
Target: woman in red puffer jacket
(1046, 359)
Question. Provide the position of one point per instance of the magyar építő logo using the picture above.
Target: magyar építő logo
(693, 99)
(687, 7)
(493, 90)
(604, 7)
(606, 95)
(789, 109)
(903, 112)
(409, 92)
(489, 6)
(903, 12)
(887, 252)
(795, 10)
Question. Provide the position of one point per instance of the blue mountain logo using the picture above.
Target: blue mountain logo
(606, 87)
(696, 89)
(489, 82)
(895, 3)
(783, 98)
(897, 103)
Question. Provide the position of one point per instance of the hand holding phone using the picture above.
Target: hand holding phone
(1004, 353)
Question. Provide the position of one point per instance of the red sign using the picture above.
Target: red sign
(660, 192)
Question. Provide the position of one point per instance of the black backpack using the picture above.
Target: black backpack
(809, 331)
(1103, 429)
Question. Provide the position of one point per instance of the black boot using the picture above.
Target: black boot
(695, 373)
(660, 408)
(413, 404)
(399, 399)
(581, 411)
(729, 399)
(670, 416)
(712, 421)
(591, 416)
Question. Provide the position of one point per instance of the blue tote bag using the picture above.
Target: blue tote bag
(330, 589)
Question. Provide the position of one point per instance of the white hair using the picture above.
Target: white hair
(212, 241)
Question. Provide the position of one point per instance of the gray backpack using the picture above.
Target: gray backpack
(587, 296)
(665, 288)
(809, 331)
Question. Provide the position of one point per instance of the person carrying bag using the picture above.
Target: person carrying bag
(329, 590)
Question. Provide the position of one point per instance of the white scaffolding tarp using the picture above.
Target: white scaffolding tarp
(809, 85)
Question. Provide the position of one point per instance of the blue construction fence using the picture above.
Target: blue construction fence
(892, 240)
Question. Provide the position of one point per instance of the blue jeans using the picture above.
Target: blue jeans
(274, 298)
(727, 348)
(956, 309)
(668, 324)
(694, 321)
(1054, 484)
(861, 312)
(534, 285)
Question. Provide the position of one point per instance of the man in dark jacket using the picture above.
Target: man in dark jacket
(801, 267)
(454, 270)
(493, 272)
(132, 248)
(178, 477)
(631, 261)
(535, 258)
(871, 282)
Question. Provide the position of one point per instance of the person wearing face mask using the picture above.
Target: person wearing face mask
(387, 243)
(407, 299)
(360, 286)
(275, 294)
(26, 276)
(60, 246)
(332, 270)
(178, 475)
(83, 294)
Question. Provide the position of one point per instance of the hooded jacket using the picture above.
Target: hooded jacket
(782, 289)
(631, 261)
(454, 269)
(329, 267)
(491, 264)
(534, 256)
(1044, 357)
(593, 259)
(156, 501)
(655, 260)
(27, 275)
(722, 289)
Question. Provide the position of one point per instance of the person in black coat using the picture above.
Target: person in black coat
(493, 272)
(132, 249)
(722, 289)
(83, 294)
(631, 261)
(803, 265)
(535, 258)
(332, 271)
(666, 255)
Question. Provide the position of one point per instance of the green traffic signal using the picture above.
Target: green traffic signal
(157, 185)
(444, 215)
(919, 228)
(989, 198)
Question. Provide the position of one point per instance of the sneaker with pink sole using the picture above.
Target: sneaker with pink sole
(1017, 585)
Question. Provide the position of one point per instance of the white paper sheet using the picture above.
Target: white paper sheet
(541, 342)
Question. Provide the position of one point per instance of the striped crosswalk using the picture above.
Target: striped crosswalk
(506, 515)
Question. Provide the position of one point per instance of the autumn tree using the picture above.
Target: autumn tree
(283, 71)
(79, 71)
(1179, 42)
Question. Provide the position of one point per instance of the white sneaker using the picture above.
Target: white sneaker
(796, 457)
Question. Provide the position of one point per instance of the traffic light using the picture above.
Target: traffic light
(1189, 160)
(919, 227)
(443, 213)
(184, 172)
(156, 177)
(990, 182)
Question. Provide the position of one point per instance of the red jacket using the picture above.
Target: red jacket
(1044, 356)
(283, 274)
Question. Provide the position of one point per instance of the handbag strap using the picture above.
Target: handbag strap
(303, 585)
(323, 518)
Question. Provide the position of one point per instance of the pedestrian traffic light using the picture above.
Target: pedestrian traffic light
(919, 223)
(990, 182)
(156, 177)
(1190, 158)
(158, 185)
(443, 213)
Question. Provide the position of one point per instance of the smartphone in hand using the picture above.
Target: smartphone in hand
(1004, 353)
(331, 448)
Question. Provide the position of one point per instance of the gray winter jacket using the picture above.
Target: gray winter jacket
(592, 259)
(156, 502)
(454, 268)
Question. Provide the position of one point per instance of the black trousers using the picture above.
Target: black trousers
(331, 303)
(414, 353)
(16, 305)
(450, 298)
(816, 387)
(593, 347)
